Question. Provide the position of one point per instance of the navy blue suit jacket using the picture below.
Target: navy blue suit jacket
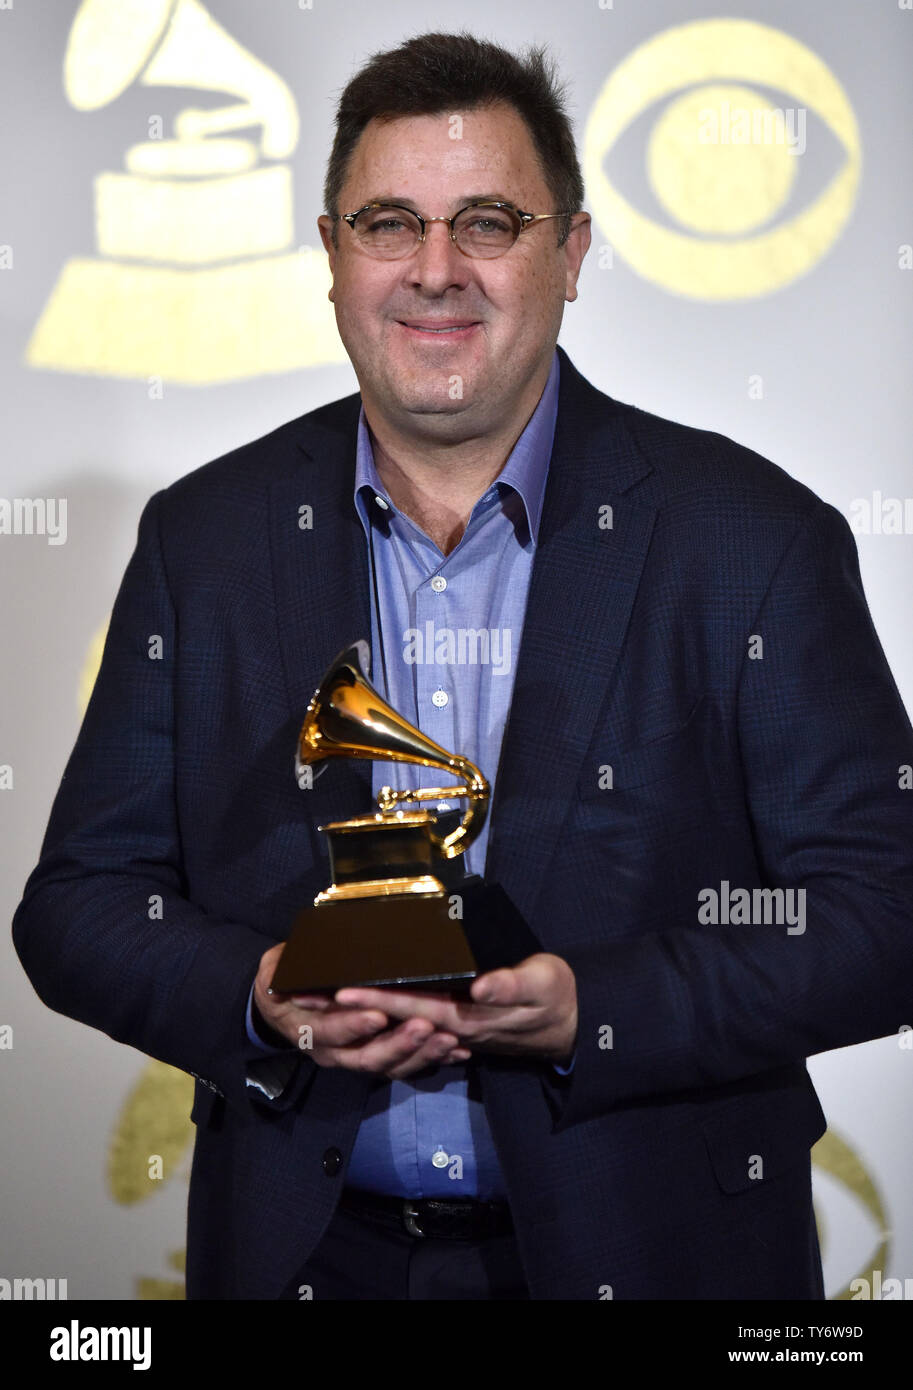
(639, 1172)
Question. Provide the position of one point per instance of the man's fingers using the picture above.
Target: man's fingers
(528, 984)
(399, 1003)
(409, 1047)
(504, 1006)
(377, 1054)
(454, 1015)
(436, 1050)
(497, 987)
(348, 1026)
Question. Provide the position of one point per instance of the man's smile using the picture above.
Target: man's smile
(431, 329)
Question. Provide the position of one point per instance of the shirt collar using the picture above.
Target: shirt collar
(526, 469)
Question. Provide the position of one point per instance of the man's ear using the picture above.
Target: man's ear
(325, 227)
(575, 248)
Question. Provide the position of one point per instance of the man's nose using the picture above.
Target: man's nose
(438, 261)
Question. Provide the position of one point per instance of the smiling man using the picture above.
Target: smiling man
(695, 706)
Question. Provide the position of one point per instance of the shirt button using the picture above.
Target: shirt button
(439, 583)
(440, 698)
(332, 1162)
(382, 502)
(440, 1159)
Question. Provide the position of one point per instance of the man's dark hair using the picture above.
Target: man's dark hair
(434, 73)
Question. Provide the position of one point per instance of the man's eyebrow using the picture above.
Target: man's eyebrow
(410, 203)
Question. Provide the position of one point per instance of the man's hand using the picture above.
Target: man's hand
(529, 1009)
(357, 1038)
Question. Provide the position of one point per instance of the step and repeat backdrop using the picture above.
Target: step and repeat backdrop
(163, 294)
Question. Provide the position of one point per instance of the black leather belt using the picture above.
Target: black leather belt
(460, 1219)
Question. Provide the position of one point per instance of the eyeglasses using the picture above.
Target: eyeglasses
(482, 230)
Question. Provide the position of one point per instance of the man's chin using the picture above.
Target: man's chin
(447, 408)
(450, 423)
(451, 398)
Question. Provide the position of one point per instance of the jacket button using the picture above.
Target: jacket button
(332, 1162)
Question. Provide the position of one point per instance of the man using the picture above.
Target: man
(694, 751)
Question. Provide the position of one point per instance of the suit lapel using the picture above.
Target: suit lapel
(582, 590)
(320, 576)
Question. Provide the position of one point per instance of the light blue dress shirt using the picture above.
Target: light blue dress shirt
(444, 649)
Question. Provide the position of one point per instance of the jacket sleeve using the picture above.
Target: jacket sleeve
(825, 747)
(105, 930)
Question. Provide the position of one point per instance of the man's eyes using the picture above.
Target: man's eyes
(385, 224)
(487, 224)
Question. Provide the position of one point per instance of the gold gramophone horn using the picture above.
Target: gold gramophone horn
(347, 718)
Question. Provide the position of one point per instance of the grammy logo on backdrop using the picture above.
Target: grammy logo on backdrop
(400, 910)
(196, 279)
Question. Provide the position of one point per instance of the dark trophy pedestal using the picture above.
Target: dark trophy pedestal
(406, 942)
(434, 942)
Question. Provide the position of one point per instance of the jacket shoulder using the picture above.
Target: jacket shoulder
(699, 461)
(686, 464)
(702, 468)
(261, 462)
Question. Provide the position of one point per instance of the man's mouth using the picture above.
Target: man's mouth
(440, 328)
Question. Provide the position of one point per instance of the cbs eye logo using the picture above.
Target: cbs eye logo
(722, 159)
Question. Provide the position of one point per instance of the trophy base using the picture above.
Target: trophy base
(405, 941)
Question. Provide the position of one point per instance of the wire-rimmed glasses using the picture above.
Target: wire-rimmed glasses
(482, 229)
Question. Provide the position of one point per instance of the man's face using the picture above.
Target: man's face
(451, 385)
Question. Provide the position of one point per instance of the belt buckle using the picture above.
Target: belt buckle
(410, 1214)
